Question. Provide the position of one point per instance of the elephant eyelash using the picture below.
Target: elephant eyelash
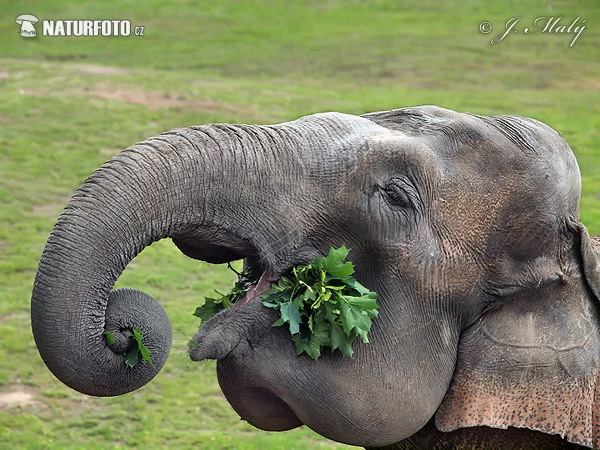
(398, 197)
(398, 192)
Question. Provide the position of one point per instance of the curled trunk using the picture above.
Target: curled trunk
(170, 185)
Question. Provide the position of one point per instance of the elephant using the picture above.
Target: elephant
(467, 226)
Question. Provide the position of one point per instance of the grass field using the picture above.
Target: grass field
(68, 104)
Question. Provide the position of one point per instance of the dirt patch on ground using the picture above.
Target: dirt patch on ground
(100, 70)
(39, 92)
(156, 100)
(16, 398)
(153, 100)
(590, 84)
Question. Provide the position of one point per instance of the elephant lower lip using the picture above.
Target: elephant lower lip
(257, 405)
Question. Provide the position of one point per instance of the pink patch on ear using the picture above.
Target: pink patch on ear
(564, 407)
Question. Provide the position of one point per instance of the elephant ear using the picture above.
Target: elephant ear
(590, 256)
(533, 361)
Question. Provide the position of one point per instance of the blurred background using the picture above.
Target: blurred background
(69, 103)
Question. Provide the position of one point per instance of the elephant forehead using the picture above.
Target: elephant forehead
(507, 149)
(473, 149)
(494, 166)
(328, 143)
(387, 152)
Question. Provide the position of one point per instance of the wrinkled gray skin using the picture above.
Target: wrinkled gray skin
(465, 225)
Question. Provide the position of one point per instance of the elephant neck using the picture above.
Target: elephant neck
(483, 437)
(532, 363)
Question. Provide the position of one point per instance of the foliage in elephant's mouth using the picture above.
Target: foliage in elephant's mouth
(214, 305)
(321, 303)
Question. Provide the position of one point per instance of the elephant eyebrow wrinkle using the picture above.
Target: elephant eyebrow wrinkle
(490, 337)
(516, 133)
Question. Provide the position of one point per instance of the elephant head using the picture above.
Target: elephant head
(467, 227)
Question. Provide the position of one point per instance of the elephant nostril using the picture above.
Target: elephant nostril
(126, 332)
(123, 340)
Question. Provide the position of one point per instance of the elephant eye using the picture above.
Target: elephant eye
(399, 193)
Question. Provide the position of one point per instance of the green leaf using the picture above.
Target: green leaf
(209, 309)
(313, 350)
(335, 288)
(138, 348)
(353, 318)
(110, 338)
(131, 356)
(270, 305)
(192, 344)
(340, 341)
(138, 336)
(362, 302)
(213, 306)
(334, 265)
(290, 314)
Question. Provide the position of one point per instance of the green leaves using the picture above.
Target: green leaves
(213, 306)
(290, 314)
(323, 305)
(320, 303)
(136, 350)
(110, 338)
(132, 355)
(334, 264)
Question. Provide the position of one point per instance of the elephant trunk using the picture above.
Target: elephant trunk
(188, 184)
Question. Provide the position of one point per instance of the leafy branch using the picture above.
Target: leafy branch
(323, 305)
(213, 306)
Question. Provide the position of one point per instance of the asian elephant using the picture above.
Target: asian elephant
(465, 225)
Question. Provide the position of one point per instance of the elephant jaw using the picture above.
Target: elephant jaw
(228, 334)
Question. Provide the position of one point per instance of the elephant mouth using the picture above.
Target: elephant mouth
(257, 276)
(254, 290)
(226, 335)
(233, 329)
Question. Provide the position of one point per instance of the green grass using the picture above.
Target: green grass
(68, 104)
